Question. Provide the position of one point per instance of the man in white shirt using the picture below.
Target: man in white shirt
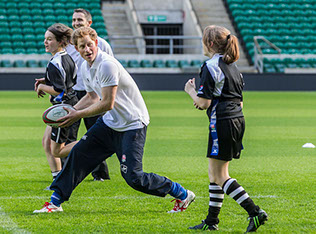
(121, 130)
(83, 18)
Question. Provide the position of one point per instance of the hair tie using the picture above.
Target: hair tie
(228, 36)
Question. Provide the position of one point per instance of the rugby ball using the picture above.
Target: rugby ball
(55, 112)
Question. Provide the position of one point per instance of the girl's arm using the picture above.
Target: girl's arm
(43, 88)
(199, 103)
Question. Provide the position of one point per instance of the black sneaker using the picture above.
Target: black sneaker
(204, 227)
(257, 221)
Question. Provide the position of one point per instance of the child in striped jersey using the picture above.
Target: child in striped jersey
(220, 93)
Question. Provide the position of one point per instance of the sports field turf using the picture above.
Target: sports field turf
(274, 169)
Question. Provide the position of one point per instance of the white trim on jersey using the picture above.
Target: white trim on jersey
(217, 74)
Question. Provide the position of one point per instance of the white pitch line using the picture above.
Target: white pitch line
(265, 196)
(113, 197)
(7, 224)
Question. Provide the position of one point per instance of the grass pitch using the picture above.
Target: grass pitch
(274, 169)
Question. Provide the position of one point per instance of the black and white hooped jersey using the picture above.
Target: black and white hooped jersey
(61, 72)
(222, 82)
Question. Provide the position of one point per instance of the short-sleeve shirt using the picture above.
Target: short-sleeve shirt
(222, 82)
(75, 55)
(129, 111)
(61, 73)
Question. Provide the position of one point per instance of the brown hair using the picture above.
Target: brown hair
(61, 32)
(223, 42)
(86, 13)
(81, 32)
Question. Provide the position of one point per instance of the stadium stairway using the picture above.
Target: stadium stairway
(214, 12)
(115, 15)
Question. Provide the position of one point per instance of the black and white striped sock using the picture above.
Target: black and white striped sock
(216, 201)
(235, 191)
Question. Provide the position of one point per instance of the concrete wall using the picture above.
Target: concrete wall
(254, 82)
(161, 5)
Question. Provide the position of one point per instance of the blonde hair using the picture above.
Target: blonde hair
(223, 42)
(81, 32)
(61, 32)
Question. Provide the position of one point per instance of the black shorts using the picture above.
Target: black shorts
(230, 133)
(69, 134)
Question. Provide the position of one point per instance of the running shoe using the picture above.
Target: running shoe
(182, 205)
(49, 208)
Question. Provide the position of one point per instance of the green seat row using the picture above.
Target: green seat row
(271, 1)
(279, 65)
(22, 63)
(160, 63)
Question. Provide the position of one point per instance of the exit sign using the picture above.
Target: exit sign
(156, 18)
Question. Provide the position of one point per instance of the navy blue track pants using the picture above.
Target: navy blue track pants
(99, 143)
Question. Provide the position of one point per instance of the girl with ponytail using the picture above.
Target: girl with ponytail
(220, 94)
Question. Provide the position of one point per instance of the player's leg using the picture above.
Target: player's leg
(130, 154)
(64, 139)
(91, 150)
(101, 172)
(54, 163)
(218, 173)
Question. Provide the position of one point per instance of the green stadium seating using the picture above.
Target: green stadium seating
(18, 44)
(32, 63)
(11, 5)
(47, 5)
(196, 63)
(60, 11)
(70, 5)
(4, 30)
(23, 11)
(17, 37)
(171, 63)
(40, 30)
(37, 18)
(183, 64)
(36, 11)
(43, 63)
(14, 24)
(146, 63)
(12, 11)
(50, 23)
(6, 63)
(25, 22)
(123, 62)
(19, 51)
(26, 18)
(4, 37)
(133, 63)
(27, 30)
(41, 50)
(35, 5)
(19, 63)
(32, 51)
(289, 24)
(159, 64)
(48, 11)
(13, 18)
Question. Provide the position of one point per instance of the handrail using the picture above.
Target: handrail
(258, 54)
(171, 46)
